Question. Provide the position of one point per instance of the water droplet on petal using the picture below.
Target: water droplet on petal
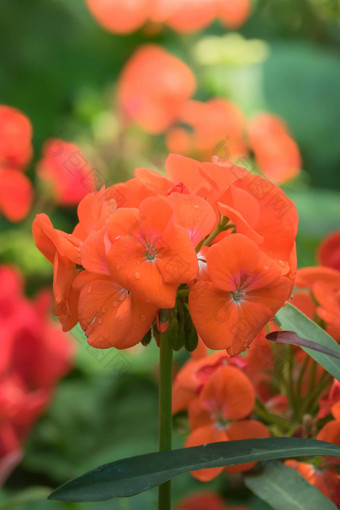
(122, 297)
(143, 317)
(196, 206)
(89, 289)
(103, 309)
(100, 321)
(115, 303)
(137, 275)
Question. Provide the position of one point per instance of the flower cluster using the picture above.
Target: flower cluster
(208, 237)
(219, 399)
(15, 153)
(155, 90)
(35, 354)
(180, 15)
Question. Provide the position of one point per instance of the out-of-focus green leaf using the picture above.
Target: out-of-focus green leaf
(284, 488)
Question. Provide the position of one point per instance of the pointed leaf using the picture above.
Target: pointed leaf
(133, 475)
(289, 317)
(282, 488)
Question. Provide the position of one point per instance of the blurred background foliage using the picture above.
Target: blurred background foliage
(60, 68)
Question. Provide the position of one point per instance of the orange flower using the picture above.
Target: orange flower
(259, 210)
(150, 253)
(214, 127)
(276, 152)
(153, 86)
(66, 171)
(228, 395)
(186, 16)
(324, 286)
(62, 250)
(15, 138)
(120, 17)
(110, 315)
(234, 12)
(195, 374)
(245, 291)
(329, 251)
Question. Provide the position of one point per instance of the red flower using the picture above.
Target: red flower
(65, 170)
(16, 193)
(15, 138)
(329, 251)
(34, 355)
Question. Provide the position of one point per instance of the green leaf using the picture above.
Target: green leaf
(133, 475)
(289, 317)
(282, 487)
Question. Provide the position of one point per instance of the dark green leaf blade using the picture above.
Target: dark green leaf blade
(133, 475)
(282, 487)
(289, 317)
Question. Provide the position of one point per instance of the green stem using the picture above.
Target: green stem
(165, 414)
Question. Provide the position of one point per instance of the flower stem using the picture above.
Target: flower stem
(165, 413)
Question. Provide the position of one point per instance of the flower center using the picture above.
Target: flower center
(150, 253)
(238, 296)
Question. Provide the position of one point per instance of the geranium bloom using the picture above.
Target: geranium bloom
(65, 171)
(136, 242)
(35, 354)
(214, 127)
(15, 152)
(329, 251)
(245, 291)
(276, 152)
(219, 412)
(153, 86)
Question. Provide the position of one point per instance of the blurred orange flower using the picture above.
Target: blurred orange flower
(213, 127)
(180, 15)
(276, 153)
(16, 191)
(153, 86)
